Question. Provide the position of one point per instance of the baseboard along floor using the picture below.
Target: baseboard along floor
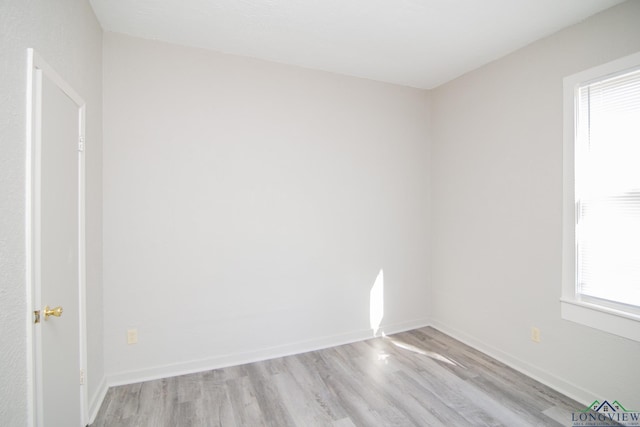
(420, 377)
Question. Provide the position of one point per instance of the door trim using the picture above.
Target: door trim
(37, 68)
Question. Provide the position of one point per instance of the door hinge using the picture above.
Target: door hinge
(81, 143)
(81, 376)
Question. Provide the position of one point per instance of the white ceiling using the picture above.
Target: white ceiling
(419, 43)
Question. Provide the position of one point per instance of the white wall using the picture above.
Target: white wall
(496, 211)
(249, 207)
(68, 36)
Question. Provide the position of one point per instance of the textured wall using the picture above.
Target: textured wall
(250, 206)
(497, 211)
(68, 37)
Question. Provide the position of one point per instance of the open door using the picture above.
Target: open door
(56, 239)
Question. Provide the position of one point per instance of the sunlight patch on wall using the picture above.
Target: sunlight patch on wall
(376, 303)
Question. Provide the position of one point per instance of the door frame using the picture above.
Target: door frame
(37, 69)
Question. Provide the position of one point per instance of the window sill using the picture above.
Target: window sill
(606, 319)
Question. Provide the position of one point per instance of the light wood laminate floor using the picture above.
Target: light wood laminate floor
(417, 378)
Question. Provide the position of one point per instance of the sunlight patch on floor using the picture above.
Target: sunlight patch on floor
(431, 354)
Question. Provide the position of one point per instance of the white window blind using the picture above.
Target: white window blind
(607, 188)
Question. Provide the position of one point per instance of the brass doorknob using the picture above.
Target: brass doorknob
(52, 312)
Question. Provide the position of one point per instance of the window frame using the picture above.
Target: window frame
(613, 318)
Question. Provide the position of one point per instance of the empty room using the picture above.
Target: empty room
(305, 213)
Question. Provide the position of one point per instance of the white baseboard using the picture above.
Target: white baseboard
(172, 370)
(164, 371)
(406, 326)
(573, 391)
(96, 401)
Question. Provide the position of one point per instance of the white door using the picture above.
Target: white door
(58, 252)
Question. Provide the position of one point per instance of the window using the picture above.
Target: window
(601, 225)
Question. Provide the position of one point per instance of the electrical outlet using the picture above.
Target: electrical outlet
(535, 334)
(132, 336)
